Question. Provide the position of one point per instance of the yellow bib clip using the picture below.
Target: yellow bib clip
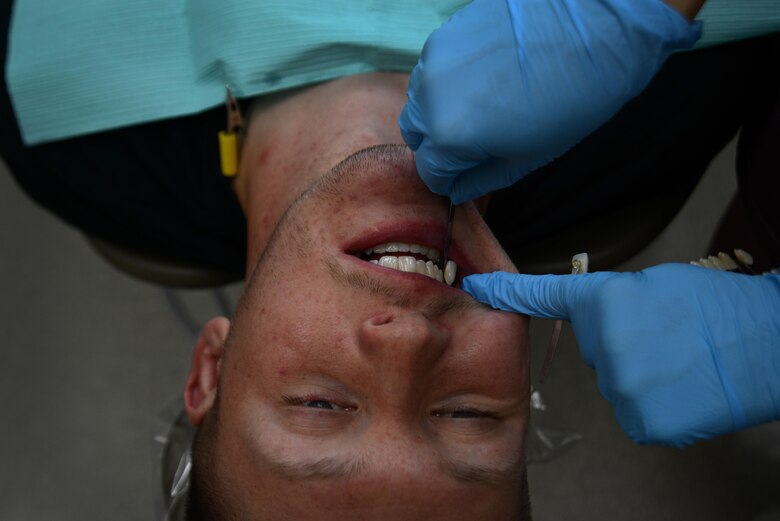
(230, 139)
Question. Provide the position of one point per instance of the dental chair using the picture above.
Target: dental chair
(158, 270)
(174, 466)
(610, 239)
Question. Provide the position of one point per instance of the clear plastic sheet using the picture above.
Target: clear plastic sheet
(172, 440)
(542, 442)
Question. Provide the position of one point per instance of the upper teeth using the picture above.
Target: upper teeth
(410, 264)
(401, 247)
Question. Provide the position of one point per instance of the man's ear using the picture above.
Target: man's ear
(201, 388)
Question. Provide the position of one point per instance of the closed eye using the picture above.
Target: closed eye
(316, 403)
(462, 414)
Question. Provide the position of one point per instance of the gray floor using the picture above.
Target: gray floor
(92, 360)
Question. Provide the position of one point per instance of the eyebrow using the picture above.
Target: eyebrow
(328, 468)
(492, 475)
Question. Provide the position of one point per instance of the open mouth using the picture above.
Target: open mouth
(411, 258)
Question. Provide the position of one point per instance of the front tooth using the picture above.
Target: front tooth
(449, 272)
(389, 261)
(382, 248)
(420, 267)
(431, 269)
(416, 248)
(391, 247)
(408, 264)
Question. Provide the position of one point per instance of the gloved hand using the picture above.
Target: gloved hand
(683, 353)
(506, 86)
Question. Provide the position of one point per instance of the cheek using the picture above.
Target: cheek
(310, 323)
(304, 324)
(503, 330)
(497, 342)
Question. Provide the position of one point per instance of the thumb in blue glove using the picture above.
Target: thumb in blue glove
(683, 353)
(508, 85)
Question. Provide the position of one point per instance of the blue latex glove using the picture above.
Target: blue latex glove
(683, 353)
(506, 86)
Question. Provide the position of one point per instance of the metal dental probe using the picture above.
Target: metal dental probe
(448, 237)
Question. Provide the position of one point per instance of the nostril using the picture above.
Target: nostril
(380, 320)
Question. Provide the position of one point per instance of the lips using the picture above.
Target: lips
(424, 235)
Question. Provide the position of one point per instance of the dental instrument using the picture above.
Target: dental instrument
(448, 237)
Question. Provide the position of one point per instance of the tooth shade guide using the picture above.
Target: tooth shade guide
(725, 262)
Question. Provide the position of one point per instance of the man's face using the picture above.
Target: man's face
(349, 390)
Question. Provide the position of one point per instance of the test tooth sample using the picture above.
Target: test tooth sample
(727, 261)
(697, 263)
(408, 264)
(449, 272)
(416, 248)
(579, 263)
(402, 246)
(391, 247)
(438, 275)
(389, 261)
(706, 263)
(382, 248)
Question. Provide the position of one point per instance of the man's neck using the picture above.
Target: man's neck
(293, 141)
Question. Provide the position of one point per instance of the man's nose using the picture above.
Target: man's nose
(404, 338)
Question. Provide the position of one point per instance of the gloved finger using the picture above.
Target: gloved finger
(410, 121)
(438, 169)
(412, 137)
(543, 296)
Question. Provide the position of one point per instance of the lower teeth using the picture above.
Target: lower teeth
(412, 265)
